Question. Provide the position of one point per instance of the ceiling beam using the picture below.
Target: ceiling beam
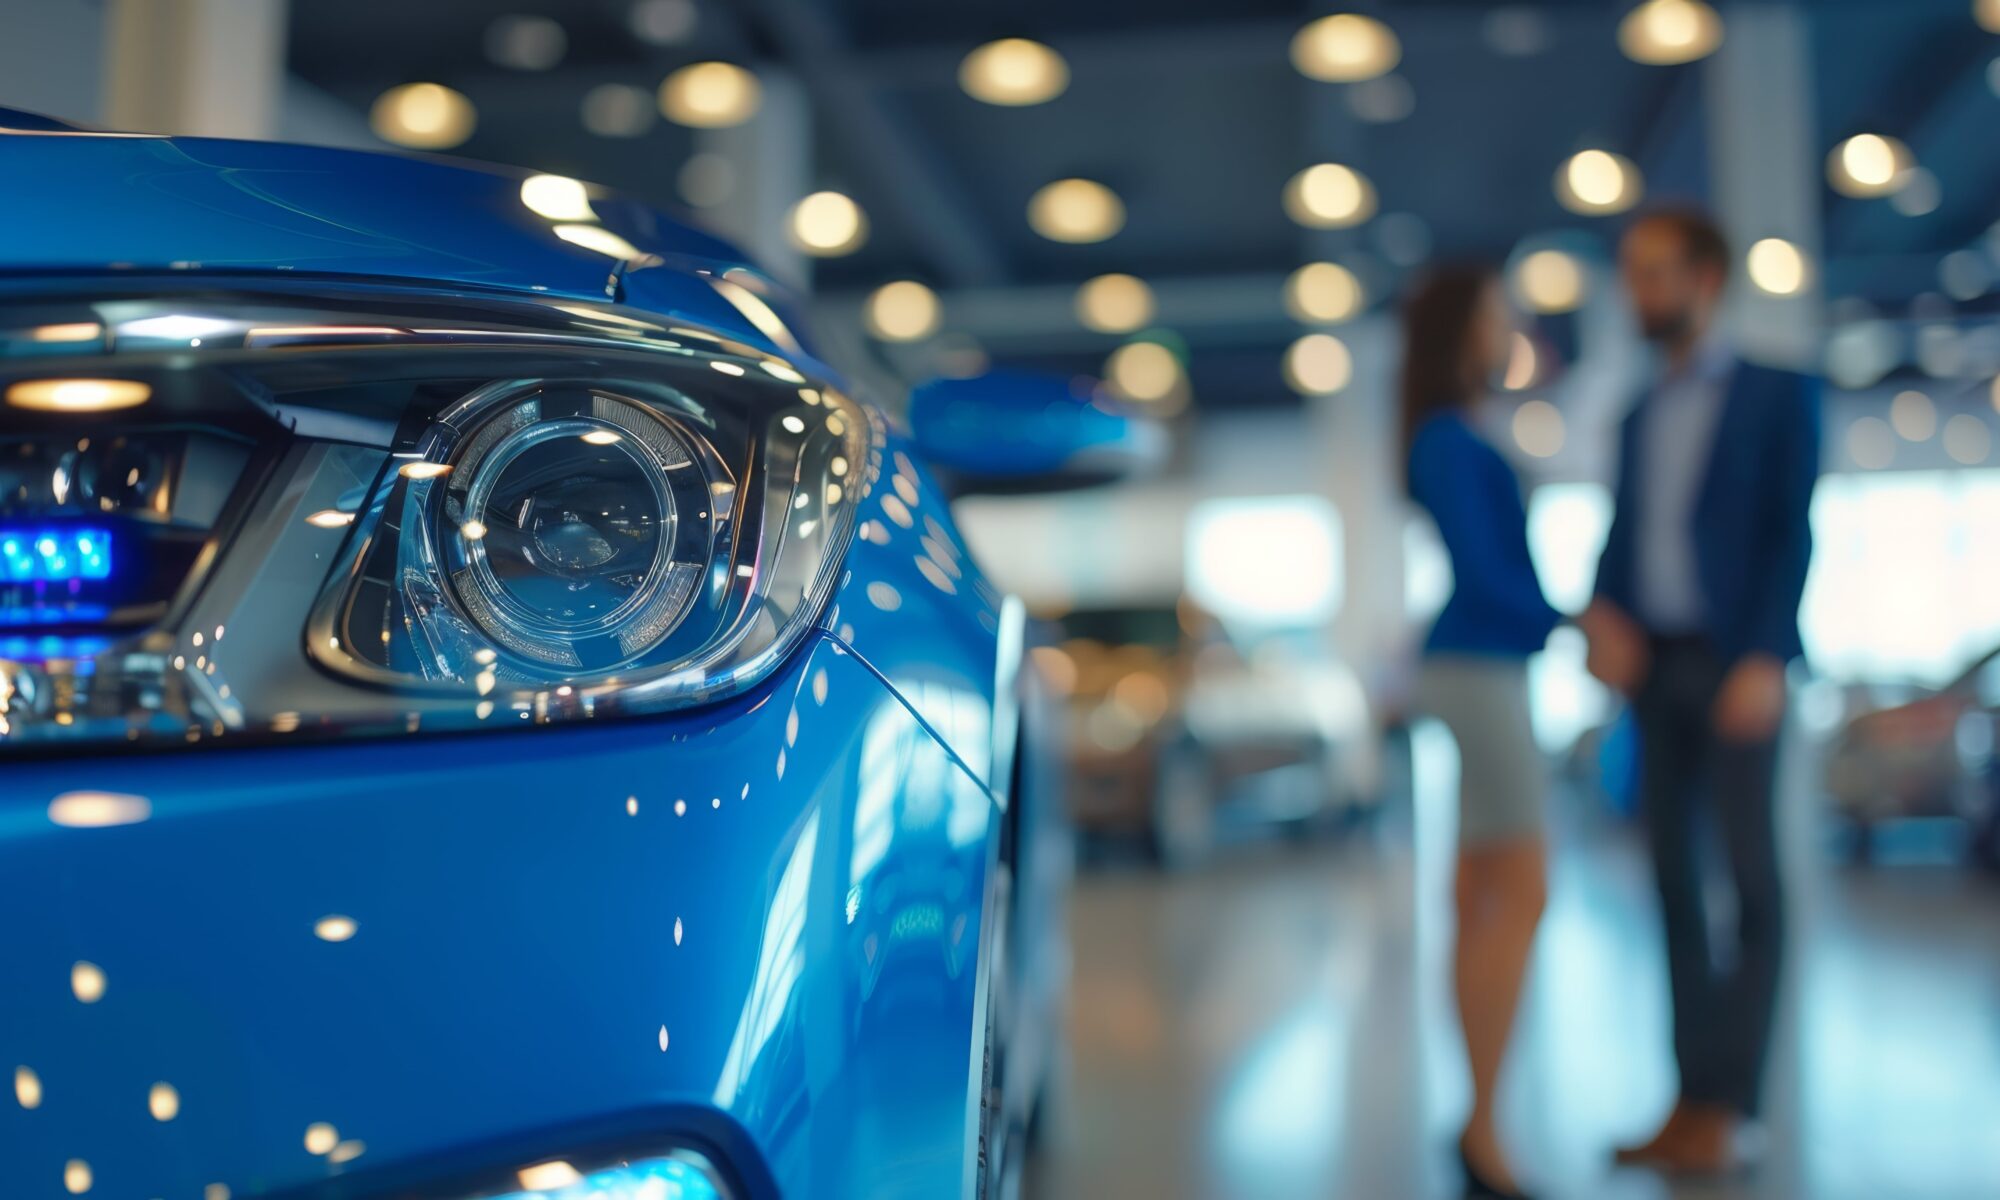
(906, 181)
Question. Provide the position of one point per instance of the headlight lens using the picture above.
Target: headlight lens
(461, 514)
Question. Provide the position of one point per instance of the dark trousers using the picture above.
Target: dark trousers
(1722, 1007)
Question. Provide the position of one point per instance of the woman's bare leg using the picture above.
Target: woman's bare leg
(1500, 893)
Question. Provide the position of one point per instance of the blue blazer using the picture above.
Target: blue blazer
(1752, 533)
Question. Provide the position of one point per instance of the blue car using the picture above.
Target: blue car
(484, 710)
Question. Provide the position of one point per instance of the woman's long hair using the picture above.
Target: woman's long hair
(1437, 336)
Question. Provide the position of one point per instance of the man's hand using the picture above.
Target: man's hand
(1618, 653)
(1751, 704)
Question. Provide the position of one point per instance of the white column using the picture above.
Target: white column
(1764, 164)
(208, 68)
(769, 165)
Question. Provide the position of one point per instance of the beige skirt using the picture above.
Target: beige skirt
(1503, 780)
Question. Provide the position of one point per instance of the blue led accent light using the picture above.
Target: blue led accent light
(647, 1179)
(54, 555)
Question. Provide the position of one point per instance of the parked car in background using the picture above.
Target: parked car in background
(1930, 756)
(1177, 736)
(485, 710)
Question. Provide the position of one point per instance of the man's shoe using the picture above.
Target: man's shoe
(1662, 1145)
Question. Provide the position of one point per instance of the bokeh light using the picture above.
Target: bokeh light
(1777, 267)
(1323, 293)
(1076, 210)
(1013, 72)
(1665, 32)
(1597, 182)
(1345, 48)
(1549, 281)
(1868, 165)
(1146, 371)
(1329, 196)
(1318, 364)
(903, 311)
(827, 224)
(710, 95)
(1114, 303)
(423, 116)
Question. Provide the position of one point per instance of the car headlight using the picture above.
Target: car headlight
(430, 512)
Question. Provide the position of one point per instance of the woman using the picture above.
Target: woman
(1457, 331)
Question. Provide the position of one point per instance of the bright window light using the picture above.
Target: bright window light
(1266, 560)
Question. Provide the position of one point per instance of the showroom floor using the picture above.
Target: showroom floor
(1278, 1025)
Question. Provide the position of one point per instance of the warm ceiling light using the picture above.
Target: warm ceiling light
(1013, 72)
(335, 928)
(1987, 13)
(1913, 416)
(1076, 210)
(1143, 371)
(710, 95)
(557, 197)
(1114, 303)
(903, 311)
(1549, 281)
(1345, 48)
(1867, 165)
(598, 238)
(1318, 364)
(1329, 196)
(548, 1176)
(828, 224)
(97, 810)
(1595, 182)
(1538, 428)
(1777, 267)
(425, 116)
(78, 395)
(1665, 32)
(1323, 293)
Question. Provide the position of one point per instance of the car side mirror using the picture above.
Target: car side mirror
(1009, 431)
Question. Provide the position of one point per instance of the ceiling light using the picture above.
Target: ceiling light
(1549, 281)
(618, 110)
(1538, 428)
(423, 116)
(78, 395)
(525, 43)
(828, 224)
(1987, 13)
(1345, 48)
(1913, 416)
(1323, 293)
(903, 311)
(1318, 364)
(600, 239)
(663, 22)
(557, 197)
(1967, 439)
(1329, 196)
(1867, 165)
(1076, 210)
(1114, 303)
(710, 95)
(1596, 182)
(1665, 32)
(1143, 371)
(1871, 443)
(1777, 267)
(1013, 72)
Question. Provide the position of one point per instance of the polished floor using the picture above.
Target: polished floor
(1279, 1025)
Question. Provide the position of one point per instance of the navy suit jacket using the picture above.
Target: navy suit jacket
(1752, 536)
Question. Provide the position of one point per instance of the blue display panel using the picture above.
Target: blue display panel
(54, 554)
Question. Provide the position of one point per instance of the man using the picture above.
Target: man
(1694, 619)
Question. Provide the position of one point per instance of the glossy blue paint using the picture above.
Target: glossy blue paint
(791, 973)
(1006, 424)
(522, 939)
